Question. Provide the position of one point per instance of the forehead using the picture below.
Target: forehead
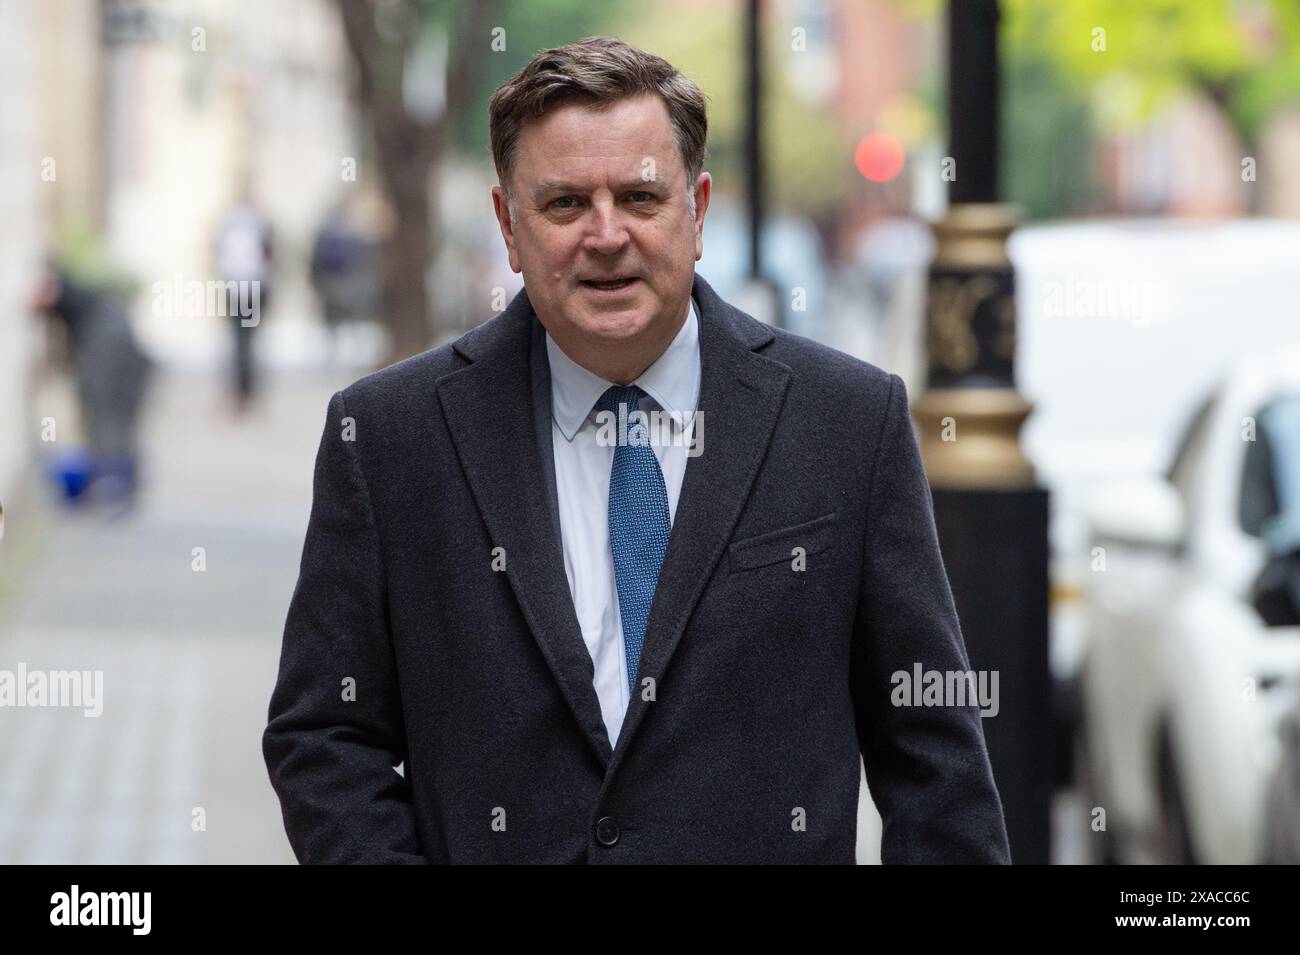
(577, 138)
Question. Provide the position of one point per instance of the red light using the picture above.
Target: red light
(879, 157)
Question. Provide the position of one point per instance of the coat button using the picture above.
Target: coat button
(606, 831)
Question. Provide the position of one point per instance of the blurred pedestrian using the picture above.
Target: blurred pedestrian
(244, 257)
(340, 273)
(111, 374)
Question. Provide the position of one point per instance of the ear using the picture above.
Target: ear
(703, 189)
(502, 209)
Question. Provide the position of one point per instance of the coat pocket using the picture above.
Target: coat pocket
(778, 546)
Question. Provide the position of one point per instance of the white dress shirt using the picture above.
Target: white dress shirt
(582, 468)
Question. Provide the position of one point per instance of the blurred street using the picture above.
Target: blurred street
(1095, 322)
(188, 658)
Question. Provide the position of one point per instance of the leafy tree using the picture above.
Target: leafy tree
(1243, 56)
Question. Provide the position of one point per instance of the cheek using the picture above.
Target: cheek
(542, 243)
(668, 241)
(558, 250)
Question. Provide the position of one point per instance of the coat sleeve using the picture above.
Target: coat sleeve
(335, 732)
(927, 766)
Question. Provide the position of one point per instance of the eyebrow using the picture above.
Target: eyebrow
(548, 186)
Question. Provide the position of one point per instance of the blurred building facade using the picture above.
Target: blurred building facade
(137, 122)
(48, 132)
(201, 100)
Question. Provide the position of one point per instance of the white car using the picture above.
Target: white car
(1184, 687)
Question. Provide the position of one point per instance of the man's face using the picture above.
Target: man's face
(601, 194)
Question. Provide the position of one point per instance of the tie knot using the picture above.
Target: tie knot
(617, 395)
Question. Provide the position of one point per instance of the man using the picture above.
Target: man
(584, 646)
(243, 258)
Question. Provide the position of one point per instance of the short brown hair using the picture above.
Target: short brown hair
(597, 71)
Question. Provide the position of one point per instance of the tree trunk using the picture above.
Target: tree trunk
(406, 260)
(408, 153)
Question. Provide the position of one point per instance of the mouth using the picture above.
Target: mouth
(616, 284)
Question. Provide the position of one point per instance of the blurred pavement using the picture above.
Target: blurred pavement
(189, 658)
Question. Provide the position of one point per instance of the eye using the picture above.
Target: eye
(555, 204)
(641, 196)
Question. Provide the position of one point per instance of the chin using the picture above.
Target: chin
(614, 325)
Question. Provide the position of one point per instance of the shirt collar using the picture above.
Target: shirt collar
(672, 382)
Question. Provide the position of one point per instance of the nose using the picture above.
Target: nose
(605, 234)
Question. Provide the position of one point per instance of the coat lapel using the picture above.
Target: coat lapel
(489, 410)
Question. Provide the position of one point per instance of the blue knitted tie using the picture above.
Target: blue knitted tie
(638, 522)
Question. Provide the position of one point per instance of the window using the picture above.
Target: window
(1270, 477)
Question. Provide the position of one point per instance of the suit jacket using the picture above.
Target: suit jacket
(432, 627)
